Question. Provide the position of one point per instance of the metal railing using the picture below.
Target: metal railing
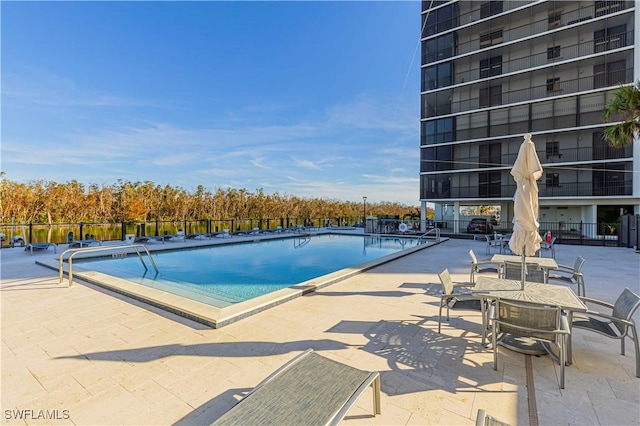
(574, 233)
(431, 231)
(74, 252)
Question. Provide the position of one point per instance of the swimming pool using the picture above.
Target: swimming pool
(234, 273)
(218, 284)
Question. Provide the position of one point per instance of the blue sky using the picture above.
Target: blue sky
(313, 99)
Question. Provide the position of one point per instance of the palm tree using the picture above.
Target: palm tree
(626, 102)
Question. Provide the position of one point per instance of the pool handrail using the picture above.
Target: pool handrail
(434, 230)
(75, 251)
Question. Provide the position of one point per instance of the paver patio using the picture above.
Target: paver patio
(89, 356)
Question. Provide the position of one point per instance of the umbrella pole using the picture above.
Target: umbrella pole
(524, 268)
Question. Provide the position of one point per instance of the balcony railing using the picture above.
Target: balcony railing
(533, 93)
(567, 155)
(515, 33)
(564, 189)
(566, 53)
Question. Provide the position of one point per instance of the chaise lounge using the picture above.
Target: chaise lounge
(39, 246)
(308, 390)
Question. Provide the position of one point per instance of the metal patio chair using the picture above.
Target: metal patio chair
(570, 275)
(493, 244)
(478, 266)
(513, 271)
(616, 323)
(484, 419)
(451, 292)
(544, 323)
(550, 246)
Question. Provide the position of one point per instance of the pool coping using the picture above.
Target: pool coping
(212, 316)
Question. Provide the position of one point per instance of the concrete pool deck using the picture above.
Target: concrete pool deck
(85, 355)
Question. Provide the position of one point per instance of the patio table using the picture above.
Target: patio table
(537, 293)
(543, 262)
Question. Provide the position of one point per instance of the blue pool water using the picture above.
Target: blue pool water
(222, 275)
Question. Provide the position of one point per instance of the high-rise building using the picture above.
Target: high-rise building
(493, 71)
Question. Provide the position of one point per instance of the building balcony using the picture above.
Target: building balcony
(439, 103)
(554, 56)
(547, 158)
(474, 23)
(506, 191)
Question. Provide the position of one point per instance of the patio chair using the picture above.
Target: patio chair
(615, 324)
(513, 271)
(548, 246)
(308, 390)
(478, 266)
(450, 294)
(484, 419)
(493, 244)
(571, 275)
(544, 323)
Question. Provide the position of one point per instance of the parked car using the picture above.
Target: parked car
(479, 226)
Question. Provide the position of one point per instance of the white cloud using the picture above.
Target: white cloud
(368, 146)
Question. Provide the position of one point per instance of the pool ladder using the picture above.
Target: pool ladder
(73, 252)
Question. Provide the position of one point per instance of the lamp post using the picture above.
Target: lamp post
(364, 206)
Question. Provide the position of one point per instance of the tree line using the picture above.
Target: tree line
(49, 202)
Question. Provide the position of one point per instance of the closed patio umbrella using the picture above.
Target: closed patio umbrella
(526, 170)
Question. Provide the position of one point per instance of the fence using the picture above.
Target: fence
(59, 233)
(626, 233)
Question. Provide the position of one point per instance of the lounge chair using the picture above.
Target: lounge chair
(308, 390)
(84, 243)
(179, 236)
(144, 239)
(40, 246)
(616, 323)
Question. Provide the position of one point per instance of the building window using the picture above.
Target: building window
(490, 96)
(490, 155)
(439, 48)
(555, 20)
(489, 184)
(553, 179)
(438, 131)
(553, 85)
(490, 8)
(610, 38)
(606, 7)
(439, 20)
(611, 74)
(490, 67)
(553, 52)
(436, 76)
(553, 149)
(490, 39)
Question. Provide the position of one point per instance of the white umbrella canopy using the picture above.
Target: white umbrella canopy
(526, 170)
